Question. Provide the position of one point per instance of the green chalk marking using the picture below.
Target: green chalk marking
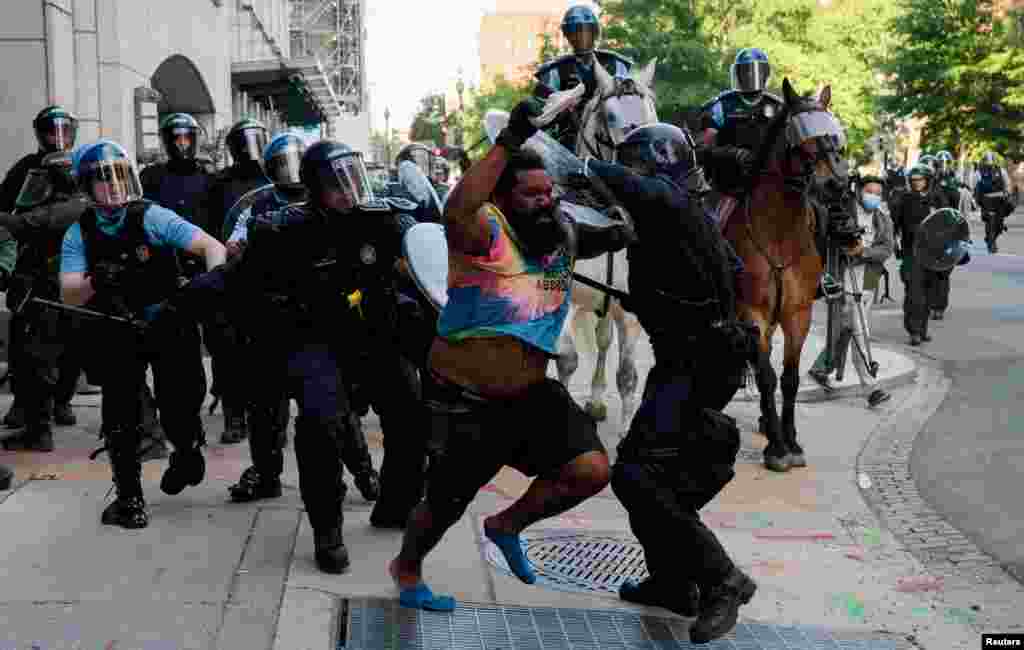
(872, 537)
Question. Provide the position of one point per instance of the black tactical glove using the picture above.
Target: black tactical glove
(107, 277)
(520, 128)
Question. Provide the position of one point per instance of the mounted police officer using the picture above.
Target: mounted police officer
(991, 186)
(282, 161)
(120, 260)
(680, 449)
(295, 274)
(45, 203)
(927, 291)
(246, 141)
(734, 123)
(582, 29)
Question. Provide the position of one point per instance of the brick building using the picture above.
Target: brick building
(510, 37)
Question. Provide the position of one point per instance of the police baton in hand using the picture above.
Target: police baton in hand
(89, 313)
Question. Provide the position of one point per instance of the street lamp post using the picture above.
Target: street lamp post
(459, 87)
(387, 137)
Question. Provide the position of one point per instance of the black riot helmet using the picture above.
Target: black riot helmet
(56, 129)
(282, 160)
(660, 148)
(180, 135)
(246, 141)
(335, 176)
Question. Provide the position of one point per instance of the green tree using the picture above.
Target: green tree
(959, 67)
(426, 124)
(503, 95)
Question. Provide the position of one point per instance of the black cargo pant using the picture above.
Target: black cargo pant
(663, 491)
(117, 358)
(309, 374)
(925, 291)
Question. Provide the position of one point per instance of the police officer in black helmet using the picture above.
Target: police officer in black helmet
(300, 265)
(39, 201)
(680, 449)
(246, 141)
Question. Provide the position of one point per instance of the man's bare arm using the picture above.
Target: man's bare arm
(465, 223)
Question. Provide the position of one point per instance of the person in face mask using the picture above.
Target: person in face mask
(861, 286)
(120, 260)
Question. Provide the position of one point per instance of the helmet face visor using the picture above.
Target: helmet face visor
(182, 142)
(248, 145)
(283, 167)
(347, 176)
(582, 36)
(750, 77)
(112, 183)
(57, 134)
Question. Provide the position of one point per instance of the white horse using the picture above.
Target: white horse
(618, 106)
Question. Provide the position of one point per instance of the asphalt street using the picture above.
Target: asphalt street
(969, 458)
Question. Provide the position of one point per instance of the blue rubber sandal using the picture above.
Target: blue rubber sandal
(513, 551)
(421, 597)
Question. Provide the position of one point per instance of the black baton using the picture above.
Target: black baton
(82, 311)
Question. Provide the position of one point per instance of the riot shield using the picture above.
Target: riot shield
(937, 241)
(418, 185)
(426, 253)
(241, 205)
(35, 191)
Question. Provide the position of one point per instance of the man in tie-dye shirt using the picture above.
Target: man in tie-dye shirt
(511, 252)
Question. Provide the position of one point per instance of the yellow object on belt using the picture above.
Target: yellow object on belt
(355, 301)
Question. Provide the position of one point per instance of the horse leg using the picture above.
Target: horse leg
(626, 376)
(568, 359)
(776, 454)
(795, 328)
(596, 408)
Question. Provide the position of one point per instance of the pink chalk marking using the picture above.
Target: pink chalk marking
(719, 519)
(917, 584)
(855, 555)
(769, 533)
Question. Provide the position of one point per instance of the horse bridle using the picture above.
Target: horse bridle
(603, 135)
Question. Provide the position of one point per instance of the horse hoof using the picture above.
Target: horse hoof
(778, 463)
(596, 410)
(797, 460)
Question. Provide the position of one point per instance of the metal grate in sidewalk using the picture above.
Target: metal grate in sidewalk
(377, 624)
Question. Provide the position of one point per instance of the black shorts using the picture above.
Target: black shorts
(537, 434)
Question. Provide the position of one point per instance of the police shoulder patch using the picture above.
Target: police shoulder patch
(368, 254)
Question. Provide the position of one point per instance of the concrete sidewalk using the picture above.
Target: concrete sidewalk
(209, 574)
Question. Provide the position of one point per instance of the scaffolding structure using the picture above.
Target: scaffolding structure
(332, 32)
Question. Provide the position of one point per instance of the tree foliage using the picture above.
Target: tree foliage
(696, 41)
(959, 66)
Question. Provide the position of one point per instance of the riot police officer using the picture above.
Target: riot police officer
(246, 141)
(282, 160)
(927, 292)
(582, 30)
(945, 179)
(991, 185)
(680, 449)
(299, 265)
(417, 187)
(39, 202)
(120, 260)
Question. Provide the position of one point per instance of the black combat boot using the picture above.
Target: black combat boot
(720, 606)
(355, 454)
(331, 554)
(6, 477)
(129, 508)
(187, 467)
(253, 486)
(236, 428)
(682, 599)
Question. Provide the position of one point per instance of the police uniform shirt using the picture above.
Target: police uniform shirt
(164, 229)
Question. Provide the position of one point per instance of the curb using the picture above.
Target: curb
(885, 482)
(812, 393)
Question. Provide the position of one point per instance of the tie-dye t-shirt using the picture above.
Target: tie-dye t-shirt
(505, 293)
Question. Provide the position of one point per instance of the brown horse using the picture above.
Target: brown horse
(773, 233)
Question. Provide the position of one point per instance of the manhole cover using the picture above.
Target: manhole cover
(575, 562)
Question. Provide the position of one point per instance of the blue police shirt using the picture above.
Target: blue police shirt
(163, 228)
